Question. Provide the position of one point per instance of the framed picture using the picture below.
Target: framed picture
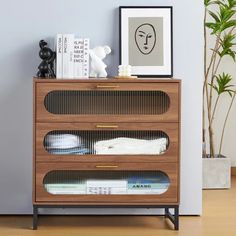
(146, 40)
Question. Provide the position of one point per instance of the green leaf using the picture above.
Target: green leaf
(227, 46)
(231, 3)
(214, 26)
(213, 15)
(228, 24)
(222, 84)
(210, 2)
(207, 2)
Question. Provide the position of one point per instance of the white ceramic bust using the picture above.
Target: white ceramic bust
(98, 67)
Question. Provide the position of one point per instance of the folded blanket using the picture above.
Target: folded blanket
(62, 141)
(69, 151)
(131, 146)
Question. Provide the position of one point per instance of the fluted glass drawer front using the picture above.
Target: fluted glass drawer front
(104, 101)
(106, 142)
(89, 142)
(106, 182)
(107, 102)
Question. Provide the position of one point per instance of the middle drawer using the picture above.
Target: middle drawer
(121, 142)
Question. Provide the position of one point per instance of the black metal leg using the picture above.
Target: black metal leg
(166, 212)
(176, 218)
(173, 218)
(35, 217)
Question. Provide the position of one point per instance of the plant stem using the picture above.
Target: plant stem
(205, 42)
(211, 142)
(213, 70)
(205, 86)
(216, 48)
(216, 103)
(214, 110)
(203, 100)
(217, 67)
(210, 97)
(226, 119)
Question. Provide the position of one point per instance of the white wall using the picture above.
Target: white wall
(23, 23)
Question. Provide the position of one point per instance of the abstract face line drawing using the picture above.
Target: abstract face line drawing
(145, 38)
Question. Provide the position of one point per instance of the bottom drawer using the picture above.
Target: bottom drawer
(106, 183)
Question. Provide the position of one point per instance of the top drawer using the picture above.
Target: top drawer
(106, 102)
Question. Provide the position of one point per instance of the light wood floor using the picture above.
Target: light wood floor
(219, 219)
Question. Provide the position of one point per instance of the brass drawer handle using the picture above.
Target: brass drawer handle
(107, 126)
(107, 166)
(107, 86)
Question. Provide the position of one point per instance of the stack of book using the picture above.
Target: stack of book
(106, 187)
(72, 57)
(137, 185)
(134, 185)
(66, 188)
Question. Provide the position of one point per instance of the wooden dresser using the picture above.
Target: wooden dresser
(107, 143)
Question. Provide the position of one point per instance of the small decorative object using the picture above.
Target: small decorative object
(48, 56)
(98, 67)
(146, 40)
(125, 70)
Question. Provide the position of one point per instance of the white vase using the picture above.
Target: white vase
(216, 173)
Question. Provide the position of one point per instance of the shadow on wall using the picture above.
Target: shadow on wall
(113, 58)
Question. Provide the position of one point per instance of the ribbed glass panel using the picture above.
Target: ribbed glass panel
(107, 102)
(106, 142)
(106, 182)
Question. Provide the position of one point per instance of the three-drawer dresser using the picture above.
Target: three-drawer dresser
(107, 143)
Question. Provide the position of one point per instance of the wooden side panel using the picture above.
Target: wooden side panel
(34, 144)
(170, 196)
(179, 138)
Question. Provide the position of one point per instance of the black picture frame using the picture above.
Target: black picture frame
(165, 71)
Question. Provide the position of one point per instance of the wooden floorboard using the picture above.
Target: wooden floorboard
(219, 218)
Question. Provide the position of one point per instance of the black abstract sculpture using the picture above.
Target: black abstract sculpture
(48, 56)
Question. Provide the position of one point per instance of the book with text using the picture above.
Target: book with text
(86, 58)
(78, 58)
(68, 56)
(59, 58)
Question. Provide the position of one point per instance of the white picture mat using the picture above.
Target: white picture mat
(144, 12)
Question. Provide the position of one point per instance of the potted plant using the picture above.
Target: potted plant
(219, 27)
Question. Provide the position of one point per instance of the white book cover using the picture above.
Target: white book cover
(72, 191)
(106, 186)
(143, 191)
(107, 183)
(59, 48)
(78, 58)
(106, 190)
(86, 58)
(68, 56)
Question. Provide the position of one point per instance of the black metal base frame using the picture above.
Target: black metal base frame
(174, 218)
